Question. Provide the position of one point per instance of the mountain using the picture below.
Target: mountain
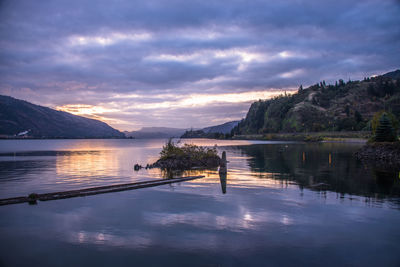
(155, 132)
(24, 118)
(347, 106)
(222, 128)
(217, 131)
(165, 132)
(393, 74)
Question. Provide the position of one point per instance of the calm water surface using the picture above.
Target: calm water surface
(281, 204)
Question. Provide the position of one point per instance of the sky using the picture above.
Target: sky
(186, 63)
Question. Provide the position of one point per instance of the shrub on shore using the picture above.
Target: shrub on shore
(186, 157)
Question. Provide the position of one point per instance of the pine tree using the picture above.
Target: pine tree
(300, 88)
(385, 131)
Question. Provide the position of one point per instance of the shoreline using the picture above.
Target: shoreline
(330, 137)
(60, 138)
(336, 137)
(310, 136)
(382, 153)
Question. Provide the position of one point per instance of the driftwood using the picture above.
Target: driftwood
(33, 198)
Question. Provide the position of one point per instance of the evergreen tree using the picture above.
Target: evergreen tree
(347, 110)
(385, 131)
(357, 116)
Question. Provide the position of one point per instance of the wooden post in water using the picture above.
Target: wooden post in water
(222, 172)
(222, 166)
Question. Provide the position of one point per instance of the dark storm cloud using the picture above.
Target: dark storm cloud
(87, 52)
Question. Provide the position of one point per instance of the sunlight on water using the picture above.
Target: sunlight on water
(53, 165)
(74, 164)
(87, 165)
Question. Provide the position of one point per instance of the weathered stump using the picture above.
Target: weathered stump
(137, 167)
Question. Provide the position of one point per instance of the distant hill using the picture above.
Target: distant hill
(222, 128)
(155, 132)
(165, 132)
(217, 131)
(344, 106)
(393, 74)
(24, 118)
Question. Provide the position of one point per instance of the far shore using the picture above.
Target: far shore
(59, 138)
(341, 137)
(345, 137)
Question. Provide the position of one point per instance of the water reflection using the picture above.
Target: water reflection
(222, 178)
(323, 167)
(84, 163)
(81, 165)
(287, 205)
(73, 164)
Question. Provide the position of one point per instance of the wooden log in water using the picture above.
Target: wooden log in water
(223, 164)
(32, 198)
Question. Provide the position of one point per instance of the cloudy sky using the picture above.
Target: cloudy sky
(183, 63)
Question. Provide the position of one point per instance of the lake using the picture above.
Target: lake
(281, 204)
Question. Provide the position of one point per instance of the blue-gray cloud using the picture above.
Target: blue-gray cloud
(86, 52)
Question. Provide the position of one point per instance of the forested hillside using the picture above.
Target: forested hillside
(18, 116)
(347, 106)
(217, 131)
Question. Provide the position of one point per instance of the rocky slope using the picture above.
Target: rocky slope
(387, 154)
